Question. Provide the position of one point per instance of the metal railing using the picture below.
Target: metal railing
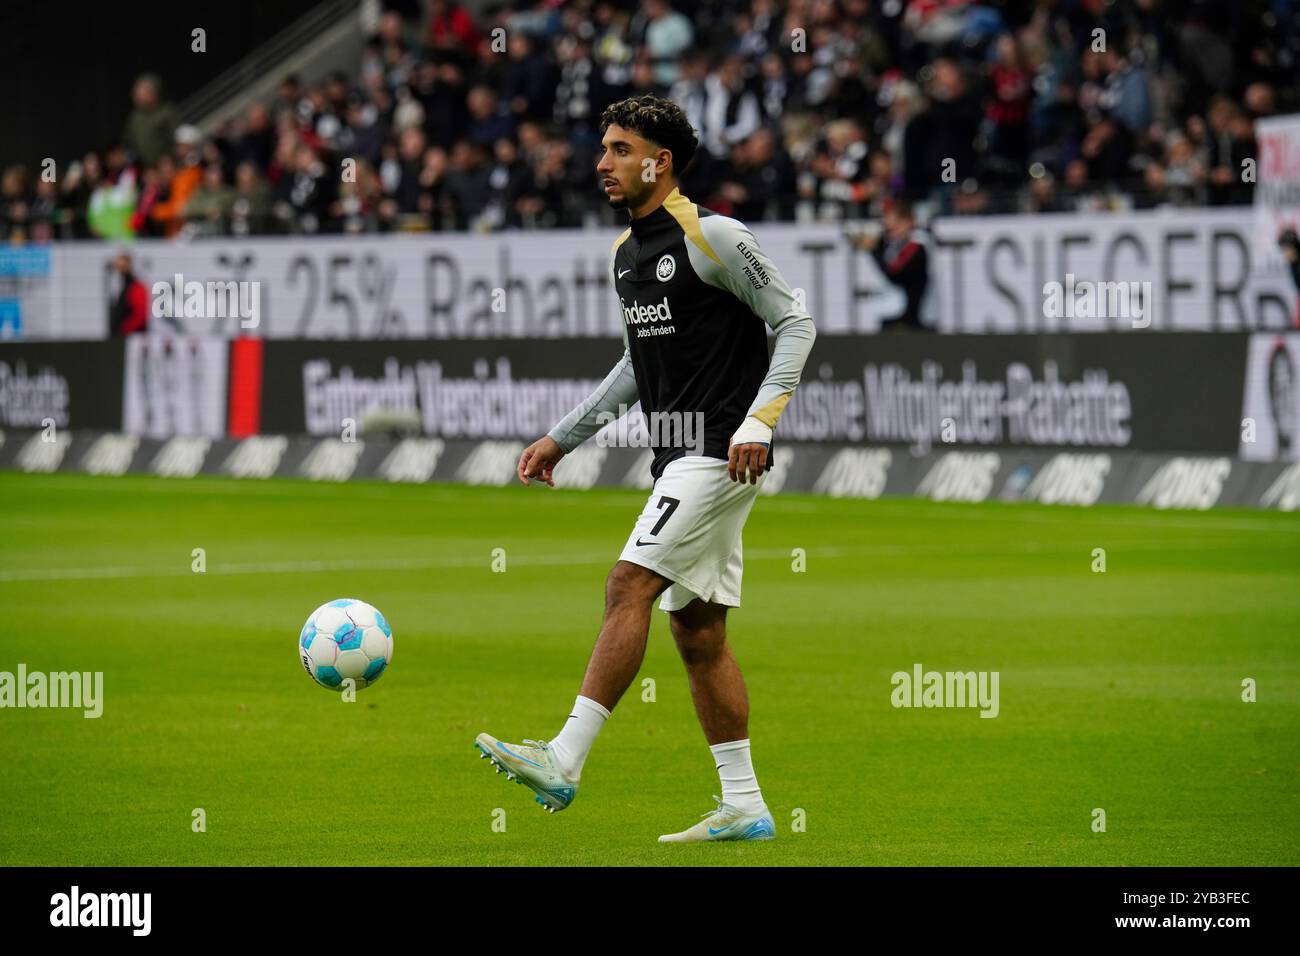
(205, 105)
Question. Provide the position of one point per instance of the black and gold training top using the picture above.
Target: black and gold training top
(695, 291)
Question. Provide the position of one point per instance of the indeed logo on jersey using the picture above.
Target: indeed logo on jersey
(636, 314)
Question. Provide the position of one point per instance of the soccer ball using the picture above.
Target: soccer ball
(345, 638)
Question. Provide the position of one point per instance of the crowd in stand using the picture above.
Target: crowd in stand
(809, 110)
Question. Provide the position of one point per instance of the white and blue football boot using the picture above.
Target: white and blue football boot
(532, 764)
(726, 823)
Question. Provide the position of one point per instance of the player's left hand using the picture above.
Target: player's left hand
(746, 462)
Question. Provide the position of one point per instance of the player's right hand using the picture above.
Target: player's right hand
(539, 460)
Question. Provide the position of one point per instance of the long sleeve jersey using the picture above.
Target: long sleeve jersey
(695, 291)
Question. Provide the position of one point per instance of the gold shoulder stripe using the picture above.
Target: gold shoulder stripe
(620, 240)
(688, 217)
(770, 412)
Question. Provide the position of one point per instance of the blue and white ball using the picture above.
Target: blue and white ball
(345, 638)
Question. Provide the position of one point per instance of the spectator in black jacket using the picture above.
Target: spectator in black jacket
(951, 125)
(305, 195)
(468, 189)
(903, 259)
(507, 180)
(759, 181)
(254, 138)
(530, 80)
(129, 313)
(488, 123)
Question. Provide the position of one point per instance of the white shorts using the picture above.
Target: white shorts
(689, 531)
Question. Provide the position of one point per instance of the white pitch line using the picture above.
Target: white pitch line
(606, 496)
(279, 567)
(575, 560)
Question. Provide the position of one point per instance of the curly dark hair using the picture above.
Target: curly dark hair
(660, 121)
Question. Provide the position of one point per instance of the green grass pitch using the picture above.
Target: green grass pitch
(1118, 690)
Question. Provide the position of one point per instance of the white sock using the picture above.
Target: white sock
(736, 771)
(574, 741)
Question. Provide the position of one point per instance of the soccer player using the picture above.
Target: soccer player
(696, 292)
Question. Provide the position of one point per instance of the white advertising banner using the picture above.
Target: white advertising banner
(1192, 270)
(516, 285)
(1277, 187)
